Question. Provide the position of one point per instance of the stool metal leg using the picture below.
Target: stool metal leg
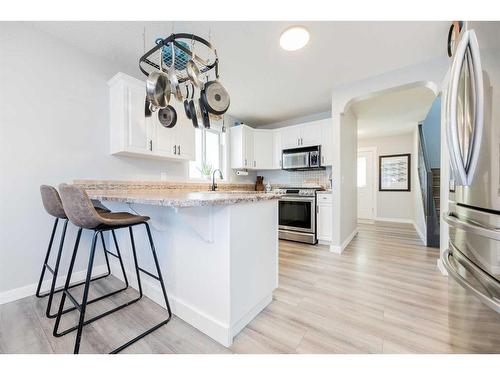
(55, 271)
(83, 305)
(47, 255)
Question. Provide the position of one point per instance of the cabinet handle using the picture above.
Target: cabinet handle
(322, 160)
(254, 163)
(245, 162)
(175, 149)
(150, 145)
(178, 149)
(317, 209)
(298, 141)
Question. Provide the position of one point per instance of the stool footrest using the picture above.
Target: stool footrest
(111, 253)
(73, 300)
(149, 273)
(49, 268)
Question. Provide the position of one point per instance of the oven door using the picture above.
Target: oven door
(295, 160)
(297, 214)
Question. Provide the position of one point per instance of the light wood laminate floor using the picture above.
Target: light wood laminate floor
(384, 294)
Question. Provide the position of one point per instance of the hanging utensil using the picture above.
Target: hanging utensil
(192, 111)
(204, 115)
(158, 87)
(167, 116)
(147, 110)
(186, 101)
(215, 98)
(192, 69)
(172, 76)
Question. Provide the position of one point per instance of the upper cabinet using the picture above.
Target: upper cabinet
(261, 148)
(134, 134)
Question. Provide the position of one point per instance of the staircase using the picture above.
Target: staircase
(436, 185)
(430, 183)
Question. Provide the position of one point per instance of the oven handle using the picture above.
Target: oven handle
(472, 227)
(489, 301)
(295, 199)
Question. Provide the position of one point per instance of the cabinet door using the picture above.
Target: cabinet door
(310, 134)
(236, 147)
(327, 143)
(165, 138)
(324, 222)
(263, 149)
(290, 137)
(138, 129)
(277, 150)
(248, 152)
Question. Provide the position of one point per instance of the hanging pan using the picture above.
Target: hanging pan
(204, 115)
(167, 116)
(158, 88)
(192, 69)
(215, 98)
(192, 112)
(174, 82)
(186, 101)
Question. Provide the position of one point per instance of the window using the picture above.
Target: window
(208, 153)
(361, 171)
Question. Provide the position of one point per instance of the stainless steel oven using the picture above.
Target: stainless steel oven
(297, 215)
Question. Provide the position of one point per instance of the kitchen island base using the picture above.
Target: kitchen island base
(219, 262)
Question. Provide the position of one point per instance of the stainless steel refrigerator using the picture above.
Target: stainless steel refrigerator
(472, 120)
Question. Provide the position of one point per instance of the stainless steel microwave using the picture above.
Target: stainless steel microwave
(304, 158)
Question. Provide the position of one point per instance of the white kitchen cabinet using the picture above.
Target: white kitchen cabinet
(290, 137)
(277, 149)
(177, 142)
(242, 147)
(134, 134)
(263, 149)
(310, 134)
(324, 221)
(327, 143)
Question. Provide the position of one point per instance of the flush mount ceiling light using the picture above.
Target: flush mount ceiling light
(294, 38)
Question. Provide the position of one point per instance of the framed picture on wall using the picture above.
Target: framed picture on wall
(394, 172)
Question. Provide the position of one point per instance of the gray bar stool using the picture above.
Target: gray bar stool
(79, 209)
(53, 205)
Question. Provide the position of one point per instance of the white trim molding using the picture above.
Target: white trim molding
(30, 290)
(339, 249)
(441, 268)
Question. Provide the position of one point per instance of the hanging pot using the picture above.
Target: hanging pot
(186, 101)
(215, 98)
(192, 70)
(158, 88)
(147, 110)
(172, 76)
(192, 112)
(167, 116)
(204, 115)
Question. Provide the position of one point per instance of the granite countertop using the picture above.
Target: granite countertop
(179, 198)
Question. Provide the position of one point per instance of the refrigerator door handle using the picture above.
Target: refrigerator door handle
(465, 176)
(490, 300)
(472, 227)
(479, 112)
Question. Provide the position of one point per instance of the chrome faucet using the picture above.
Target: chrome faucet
(214, 185)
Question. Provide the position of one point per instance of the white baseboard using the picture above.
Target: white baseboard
(422, 236)
(339, 249)
(30, 290)
(395, 220)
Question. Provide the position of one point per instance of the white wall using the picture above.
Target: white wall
(418, 204)
(345, 195)
(54, 128)
(392, 205)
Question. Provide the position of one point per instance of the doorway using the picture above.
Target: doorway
(366, 183)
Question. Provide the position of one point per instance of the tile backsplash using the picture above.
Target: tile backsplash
(298, 178)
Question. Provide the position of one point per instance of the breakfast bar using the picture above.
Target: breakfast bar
(218, 251)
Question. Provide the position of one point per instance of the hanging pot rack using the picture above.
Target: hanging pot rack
(205, 56)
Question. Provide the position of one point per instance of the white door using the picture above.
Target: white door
(366, 184)
(310, 134)
(290, 137)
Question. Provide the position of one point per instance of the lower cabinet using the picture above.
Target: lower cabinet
(134, 134)
(324, 220)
